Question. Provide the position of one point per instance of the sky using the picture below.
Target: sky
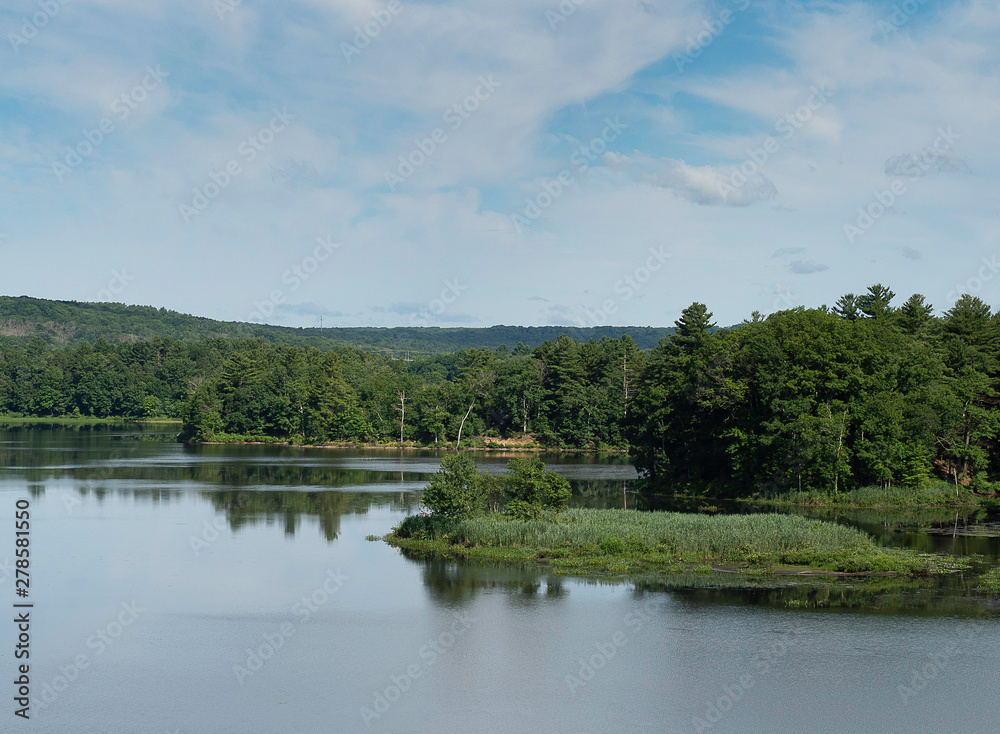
(529, 162)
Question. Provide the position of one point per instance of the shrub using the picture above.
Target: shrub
(527, 482)
(455, 490)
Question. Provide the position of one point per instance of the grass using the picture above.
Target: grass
(990, 581)
(632, 542)
(930, 494)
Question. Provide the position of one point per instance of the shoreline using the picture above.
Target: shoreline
(413, 447)
(664, 567)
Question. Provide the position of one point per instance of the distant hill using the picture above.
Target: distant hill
(71, 322)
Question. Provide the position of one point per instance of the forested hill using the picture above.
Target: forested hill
(71, 322)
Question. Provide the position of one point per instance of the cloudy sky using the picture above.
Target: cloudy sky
(481, 162)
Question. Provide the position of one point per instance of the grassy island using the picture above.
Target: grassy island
(629, 542)
(522, 517)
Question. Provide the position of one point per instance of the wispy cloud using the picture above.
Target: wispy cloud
(744, 108)
(805, 267)
(706, 185)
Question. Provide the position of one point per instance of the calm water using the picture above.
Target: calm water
(162, 576)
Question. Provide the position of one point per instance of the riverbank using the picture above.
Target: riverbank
(512, 447)
(639, 544)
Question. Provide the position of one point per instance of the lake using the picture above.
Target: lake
(232, 589)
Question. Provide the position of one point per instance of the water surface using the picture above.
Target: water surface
(162, 575)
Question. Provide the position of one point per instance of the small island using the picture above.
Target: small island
(522, 518)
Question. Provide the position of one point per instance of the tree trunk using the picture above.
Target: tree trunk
(840, 443)
(625, 383)
(462, 425)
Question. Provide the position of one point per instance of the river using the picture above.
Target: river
(232, 589)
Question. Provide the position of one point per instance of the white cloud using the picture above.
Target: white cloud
(665, 182)
(707, 185)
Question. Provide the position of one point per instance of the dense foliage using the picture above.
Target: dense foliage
(458, 490)
(561, 393)
(823, 400)
(69, 323)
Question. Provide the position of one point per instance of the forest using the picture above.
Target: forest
(830, 399)
(69, 323)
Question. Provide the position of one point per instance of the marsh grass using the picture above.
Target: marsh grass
(927, 494)
(617, 538)
(990, 581)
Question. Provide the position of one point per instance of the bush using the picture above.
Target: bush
(527, 482)
(455, 490)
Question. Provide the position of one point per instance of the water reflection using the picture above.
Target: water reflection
(449, 582)
(287, 508)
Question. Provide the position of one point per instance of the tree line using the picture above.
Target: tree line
(562, 393)
(831, 398)
(69, 323)
(860, 394)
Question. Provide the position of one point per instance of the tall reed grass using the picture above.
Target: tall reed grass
(619, 531)
(930, 493)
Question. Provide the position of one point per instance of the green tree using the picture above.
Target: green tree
(848, 307)
(875, 303)
(915, 314)
(529, 488)
(455, 490)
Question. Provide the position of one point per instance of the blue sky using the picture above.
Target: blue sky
(477, 163)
